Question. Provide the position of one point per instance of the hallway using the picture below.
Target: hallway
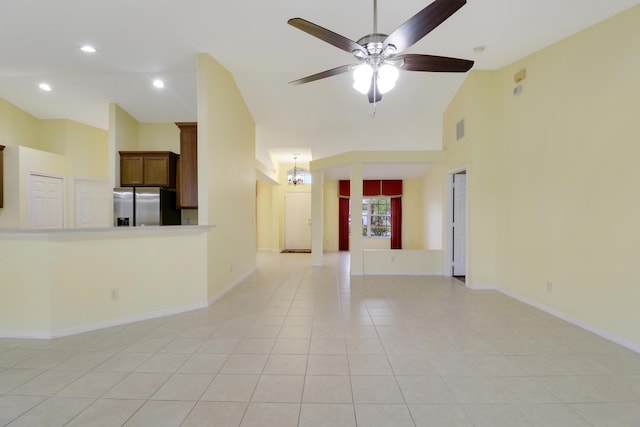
(294, 345)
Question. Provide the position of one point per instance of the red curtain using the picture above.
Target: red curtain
(343, 224)
(396, 223)
(345, 188)
(371, 187)
(391, 187)
(374, 187)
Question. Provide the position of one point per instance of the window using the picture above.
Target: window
(376, 217)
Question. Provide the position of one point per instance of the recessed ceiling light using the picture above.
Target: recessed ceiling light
(88, 49)
(158, 83)
(45, 87)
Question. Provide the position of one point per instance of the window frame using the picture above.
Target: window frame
(367, 213)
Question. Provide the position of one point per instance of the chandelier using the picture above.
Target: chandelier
(295, 175)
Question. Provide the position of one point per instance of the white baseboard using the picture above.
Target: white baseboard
(481, 287)
(231, 285)
(581, 324)
(404, 273)
(58, 333)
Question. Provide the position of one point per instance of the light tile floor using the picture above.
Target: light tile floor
(294, 345)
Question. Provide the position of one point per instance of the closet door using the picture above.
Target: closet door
(46, 201)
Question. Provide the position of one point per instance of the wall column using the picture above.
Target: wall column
(356, 241)
(317, 218)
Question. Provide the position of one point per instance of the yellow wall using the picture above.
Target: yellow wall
(433, 207)
(227, 176)
(52, 136)
(412, 214)
(123, 136)
(70, 292)
(61, 148)
(151, 273)
(17, 127)
(552, 176)
(159, 137)
(265, 239)
(86, 150)
(330, 216)
(25, 302)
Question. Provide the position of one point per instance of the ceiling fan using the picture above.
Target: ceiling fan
(378, 55)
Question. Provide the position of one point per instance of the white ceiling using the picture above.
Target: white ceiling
(140, 40)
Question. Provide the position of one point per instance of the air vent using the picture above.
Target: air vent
(460, 130)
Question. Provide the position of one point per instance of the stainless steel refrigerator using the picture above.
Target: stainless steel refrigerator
(145, 206)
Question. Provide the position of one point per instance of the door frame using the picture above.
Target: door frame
(284, 242)
(448, 211)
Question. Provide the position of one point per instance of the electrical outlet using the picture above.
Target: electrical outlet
(231, 269)
(549, 287)
(393, 259)
(114, 294)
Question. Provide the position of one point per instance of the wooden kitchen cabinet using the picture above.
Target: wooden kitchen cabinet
(188, 169)
(1, 175)
(148, 168)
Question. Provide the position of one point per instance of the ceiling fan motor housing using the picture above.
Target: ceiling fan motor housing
(374, 46)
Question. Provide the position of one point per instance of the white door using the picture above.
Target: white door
(297, 219)
(459, 261)
(92, 203)
(46, 202)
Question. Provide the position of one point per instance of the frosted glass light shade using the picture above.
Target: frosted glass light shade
(362, 78)
(387, 78)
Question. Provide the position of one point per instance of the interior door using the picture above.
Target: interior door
(92, 200)
(297, 218)
(46, 202)
(459, 261)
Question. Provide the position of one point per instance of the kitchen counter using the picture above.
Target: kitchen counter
(66, 281)
(64, 233)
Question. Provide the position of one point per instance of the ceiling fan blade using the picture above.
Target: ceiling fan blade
(374, 93)
(323, 34)
(434, 63)
(332, 72)
(422, 23)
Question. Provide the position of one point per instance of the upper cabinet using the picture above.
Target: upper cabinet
(188, 169)
(1, 175)
(148, 168)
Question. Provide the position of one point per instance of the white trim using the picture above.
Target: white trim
(230, 286)
(448, 210)
(405, 273)
(103, 324)
(481, 287)
(581, 324)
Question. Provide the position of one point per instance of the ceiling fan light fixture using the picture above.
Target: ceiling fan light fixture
(362, 78)
(388, 51)
(387, 78)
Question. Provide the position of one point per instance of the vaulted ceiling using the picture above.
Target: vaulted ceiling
(139, 41)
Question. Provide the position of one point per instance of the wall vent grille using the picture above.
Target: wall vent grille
(460, 130)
